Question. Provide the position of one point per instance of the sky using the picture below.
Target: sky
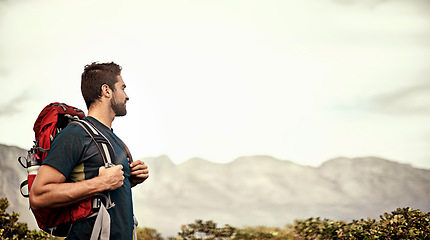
(304, 81)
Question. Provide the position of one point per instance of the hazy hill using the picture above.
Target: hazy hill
(261, 190)
(257, 190)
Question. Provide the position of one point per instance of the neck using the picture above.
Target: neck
(103, 114)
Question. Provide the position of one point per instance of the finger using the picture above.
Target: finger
(137, 163)
(132, 164)
(138, 167)
(143, 171)
(141, 176)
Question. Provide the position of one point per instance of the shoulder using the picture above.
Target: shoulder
(74, 128)
(67, 149)
(73, 133)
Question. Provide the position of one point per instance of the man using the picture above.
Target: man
(74, 169)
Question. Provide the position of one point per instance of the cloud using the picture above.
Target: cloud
(414, 99)
(3, 71)
(376, 3)
(368, 3)
(14, 106)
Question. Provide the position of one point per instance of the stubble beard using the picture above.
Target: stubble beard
(118, 108)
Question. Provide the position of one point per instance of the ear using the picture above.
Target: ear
(106, 91)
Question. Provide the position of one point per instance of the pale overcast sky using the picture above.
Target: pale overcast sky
(304, 80)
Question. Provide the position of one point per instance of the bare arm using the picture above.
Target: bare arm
(50, 191)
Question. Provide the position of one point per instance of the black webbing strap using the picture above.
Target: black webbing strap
(130, 158)
(102, 224)
(102, 143)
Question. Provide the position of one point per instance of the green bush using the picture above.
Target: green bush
(10, 228)
(209, 230)
(148, 234)
(262, 232)
(314, 228)
(404, 223)
(205, 230)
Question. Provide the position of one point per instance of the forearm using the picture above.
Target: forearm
(49, 189)
(52, 195)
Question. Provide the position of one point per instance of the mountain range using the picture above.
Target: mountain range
(254, 190)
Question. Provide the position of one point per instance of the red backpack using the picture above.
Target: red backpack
(51, 120)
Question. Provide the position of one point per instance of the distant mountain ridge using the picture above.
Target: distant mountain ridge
(256, 190)
(262, 190)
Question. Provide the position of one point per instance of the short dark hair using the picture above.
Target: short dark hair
(94, 76)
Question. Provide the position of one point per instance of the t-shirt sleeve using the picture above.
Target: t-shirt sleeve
(67, 149)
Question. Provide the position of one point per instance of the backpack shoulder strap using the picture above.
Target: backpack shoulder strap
(102, 223)
(102, 143)
(129, 157)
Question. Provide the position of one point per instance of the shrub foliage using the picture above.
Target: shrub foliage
(403, 223)
(10, 228)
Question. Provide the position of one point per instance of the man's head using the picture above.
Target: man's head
(96, 75)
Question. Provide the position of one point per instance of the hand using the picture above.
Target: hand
(112, 177)
(138, 172)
